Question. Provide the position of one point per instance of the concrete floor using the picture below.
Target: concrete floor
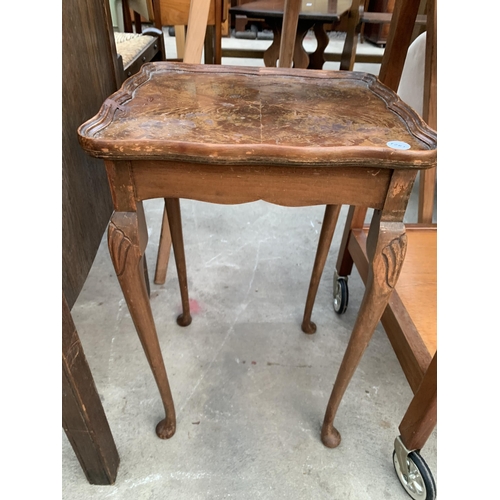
(250, 388)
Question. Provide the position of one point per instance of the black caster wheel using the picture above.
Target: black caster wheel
(340, 294)
(171, 31)
(418, 482)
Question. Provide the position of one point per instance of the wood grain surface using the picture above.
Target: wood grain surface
(244, 115)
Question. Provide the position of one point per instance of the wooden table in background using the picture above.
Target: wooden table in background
(314, 14)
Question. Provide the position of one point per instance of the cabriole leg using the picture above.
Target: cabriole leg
(386, 248)
(127, 239)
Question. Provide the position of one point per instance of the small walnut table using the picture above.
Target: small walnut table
(236, 134)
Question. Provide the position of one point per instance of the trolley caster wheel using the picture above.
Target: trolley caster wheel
(340, 294)
(416, 478)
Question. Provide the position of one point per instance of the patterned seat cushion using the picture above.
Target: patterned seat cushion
(129, 45)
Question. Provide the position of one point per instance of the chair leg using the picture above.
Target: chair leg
(218, 33)
(209, 45)
(427, 188)
(289, 33)
(196, 33)
(386, 248)
(353, 27)
(325, 241)
(137, 22)
(127, 240)
(355, 219)
(163, 251)
(173, 208)
(180, 40)
(127, 18)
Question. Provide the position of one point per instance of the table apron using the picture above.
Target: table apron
(223, 184)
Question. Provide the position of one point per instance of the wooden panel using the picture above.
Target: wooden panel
(90, 74)
(176, 12)
(84, 420)
(287, 186)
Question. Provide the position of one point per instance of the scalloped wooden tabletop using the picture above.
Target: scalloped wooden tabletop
(245, 115)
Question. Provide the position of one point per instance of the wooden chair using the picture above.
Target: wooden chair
(175, 13)
(410, 316)
(357, 18)
(135, 49)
